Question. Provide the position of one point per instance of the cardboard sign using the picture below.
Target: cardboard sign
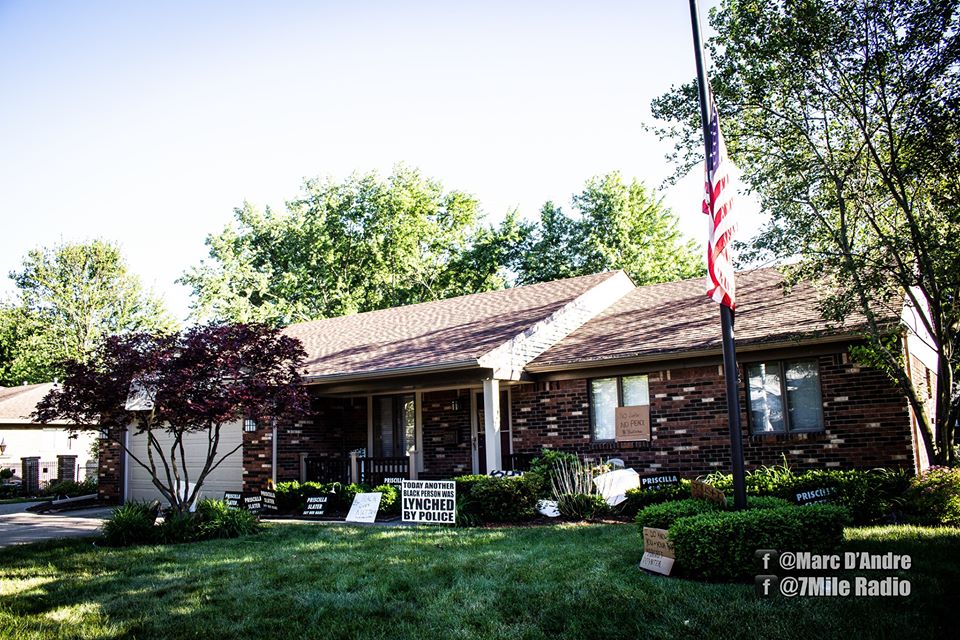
(652, 483)
(633, 423)
(657, 564)
(316, 506)
(364, 507)
(429, 501)
(656, 541)
(253, 504)
(269, 500)
(704, 491)
(821, 495)
(234, 499)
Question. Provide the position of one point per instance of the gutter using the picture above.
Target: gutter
(394, 372)
(680, 355)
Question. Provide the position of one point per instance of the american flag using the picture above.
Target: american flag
(718, 205)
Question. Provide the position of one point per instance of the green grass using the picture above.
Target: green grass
(18, 500)
(303, 581)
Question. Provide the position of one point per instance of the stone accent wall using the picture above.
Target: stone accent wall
(110, 469)
(867, 423)
(446, 434)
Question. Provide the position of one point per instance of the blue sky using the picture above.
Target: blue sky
(147, 123)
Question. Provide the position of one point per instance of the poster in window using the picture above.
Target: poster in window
(633, 423)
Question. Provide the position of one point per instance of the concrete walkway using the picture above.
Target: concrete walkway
(22, 526)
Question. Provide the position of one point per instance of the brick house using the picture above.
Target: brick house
(425, 389)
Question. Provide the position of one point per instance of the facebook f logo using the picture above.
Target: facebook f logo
(766, 586)
(767, 558)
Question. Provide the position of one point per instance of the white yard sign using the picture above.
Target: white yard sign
(429, 501)
(364, 507)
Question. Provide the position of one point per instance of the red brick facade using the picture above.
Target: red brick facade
(110, 470)
(867, 423)
(447, 445)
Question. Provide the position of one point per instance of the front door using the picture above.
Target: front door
(504, 433)
(394, 426)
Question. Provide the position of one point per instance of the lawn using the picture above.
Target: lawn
(573, 581)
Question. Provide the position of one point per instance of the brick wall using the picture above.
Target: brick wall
(866, 420)
(110, 469)
(446, 434)
(335, 427)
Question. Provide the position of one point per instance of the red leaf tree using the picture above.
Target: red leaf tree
(202, 380)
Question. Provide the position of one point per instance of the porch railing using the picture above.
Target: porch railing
(374, 471)
(328, 470)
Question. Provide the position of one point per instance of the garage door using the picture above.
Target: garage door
(227, 477)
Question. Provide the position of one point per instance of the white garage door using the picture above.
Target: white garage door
(227, 477)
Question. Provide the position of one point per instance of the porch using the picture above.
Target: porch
(386, 435)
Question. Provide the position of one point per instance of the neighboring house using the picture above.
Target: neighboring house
(50, 451)
(592, 364)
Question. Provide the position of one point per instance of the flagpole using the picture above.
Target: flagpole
(726, 314)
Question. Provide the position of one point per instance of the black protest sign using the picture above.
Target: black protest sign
(817, 495)
(253, 504)
(269, 500)
(316, 506)
(395, 482)
(652, 483)
(234, 499)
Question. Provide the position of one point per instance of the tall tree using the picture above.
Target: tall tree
(843, 116)
(357, 245)
(200, 381)
(620, 226)
(69, 298)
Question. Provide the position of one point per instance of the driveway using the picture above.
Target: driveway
(22, 526)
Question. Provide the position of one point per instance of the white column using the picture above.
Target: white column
(491, 424)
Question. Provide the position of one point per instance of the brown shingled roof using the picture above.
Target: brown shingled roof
(17, 403)
(677, 317)
(445, 333)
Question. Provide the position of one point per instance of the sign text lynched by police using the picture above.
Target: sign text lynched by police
(429, 501)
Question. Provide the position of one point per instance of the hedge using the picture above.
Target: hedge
(870, 495)
(663, 515)
(639, 498)
(720, 545)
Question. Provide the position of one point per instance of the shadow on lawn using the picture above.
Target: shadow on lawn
(309, 581)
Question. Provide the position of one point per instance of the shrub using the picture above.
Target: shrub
(487, 499)
(132, 523)
(217, 521)
(347, 493)
(639, 498)
(868, 495)
(389, 499)
(933, 498)
(179, 527)
(720, 545)
(582, 506)
(661, 516)
(546, 465)
(292, 496)
(70, 488)
(504, 499)
(6, 473)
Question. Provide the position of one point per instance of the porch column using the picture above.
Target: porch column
(491, 424)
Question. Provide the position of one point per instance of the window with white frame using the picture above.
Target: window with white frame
(606, 394)
(784, 396)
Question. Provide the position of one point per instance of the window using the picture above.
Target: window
(606, 394)
(784, 396)
(249, 424)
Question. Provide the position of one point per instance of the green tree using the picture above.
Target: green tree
(68, 299)
(620, 226)
(842, 115)
(357, 245)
